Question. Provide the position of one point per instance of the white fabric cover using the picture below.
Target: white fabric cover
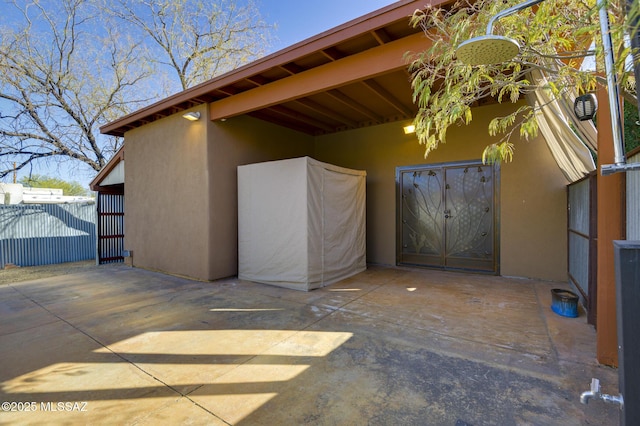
(301, 223)
(554, 118)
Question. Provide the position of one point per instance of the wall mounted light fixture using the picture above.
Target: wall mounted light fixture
(192, 116)
(409, 129)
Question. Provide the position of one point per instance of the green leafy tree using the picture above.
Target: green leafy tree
(631, 127)
(68, 188)
(555, 36)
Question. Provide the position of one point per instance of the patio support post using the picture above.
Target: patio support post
(611, 211)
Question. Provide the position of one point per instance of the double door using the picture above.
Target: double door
(447, 216)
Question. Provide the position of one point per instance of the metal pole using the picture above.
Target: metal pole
(510, 11)
(612, 86)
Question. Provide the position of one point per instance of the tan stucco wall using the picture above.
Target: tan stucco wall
(238, 141)
(533, 214)
(181, 189)
(166, 203)
(532, 190)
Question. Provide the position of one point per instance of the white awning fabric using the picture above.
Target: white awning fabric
(555, 120)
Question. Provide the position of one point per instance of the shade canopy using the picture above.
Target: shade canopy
(301, 223)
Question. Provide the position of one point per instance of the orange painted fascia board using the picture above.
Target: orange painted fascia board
(368, 64)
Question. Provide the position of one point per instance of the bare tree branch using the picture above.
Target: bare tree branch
(61, 81)
(197, 39)
(69, 66)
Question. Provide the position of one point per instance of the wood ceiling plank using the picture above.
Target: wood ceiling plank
(327, 112)
(388, 97)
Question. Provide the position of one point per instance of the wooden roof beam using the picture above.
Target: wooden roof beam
(327, 112)
(356, 106)
(388, 97)
(381, 36)
(332, 53)
(284, 122)
(292, 68)
(368, 64)
(258, 80)
(289, 113)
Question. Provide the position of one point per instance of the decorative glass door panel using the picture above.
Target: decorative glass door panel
(447, 216)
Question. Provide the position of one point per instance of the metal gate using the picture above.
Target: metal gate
(447, 216)
(110, 227)
(582, 238)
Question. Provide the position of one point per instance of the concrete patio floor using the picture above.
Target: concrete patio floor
(390, 346)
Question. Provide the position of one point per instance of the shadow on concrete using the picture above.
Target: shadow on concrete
(388, 346)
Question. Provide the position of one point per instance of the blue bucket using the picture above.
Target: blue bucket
(564, 302)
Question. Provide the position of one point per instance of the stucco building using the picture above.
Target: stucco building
(341, 97)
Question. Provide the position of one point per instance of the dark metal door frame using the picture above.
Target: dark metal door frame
(110, 227)
(587, 235)
(440, 212)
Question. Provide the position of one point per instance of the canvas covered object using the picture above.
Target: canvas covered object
(301, 223)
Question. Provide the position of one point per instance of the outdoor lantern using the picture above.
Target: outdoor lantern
(585, 107)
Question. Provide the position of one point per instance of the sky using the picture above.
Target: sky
(298, 20)
(295, 20)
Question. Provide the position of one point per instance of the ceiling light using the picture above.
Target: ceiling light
(192, 116)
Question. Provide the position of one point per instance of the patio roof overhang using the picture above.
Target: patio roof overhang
(352, 76)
